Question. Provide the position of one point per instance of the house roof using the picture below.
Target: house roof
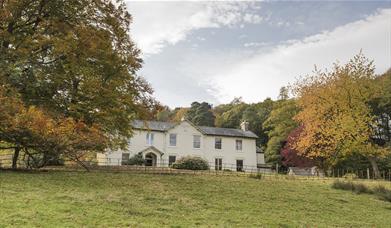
(227, 132)
(153, 149)
(152, 125)
(165, 126)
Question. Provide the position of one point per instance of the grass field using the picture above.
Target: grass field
(99, 199)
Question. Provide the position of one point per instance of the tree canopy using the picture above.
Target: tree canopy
(335, 114)
(201, 114)
(73, 68)
(74, 59)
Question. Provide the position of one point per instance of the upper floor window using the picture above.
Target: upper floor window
(172, 139)
(218, 143)
(238, 144)
(197, 141)
(149, 138)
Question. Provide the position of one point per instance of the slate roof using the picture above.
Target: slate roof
(152, 125)
(227, 132)
(165, 126)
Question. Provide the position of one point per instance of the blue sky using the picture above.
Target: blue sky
(216, 51)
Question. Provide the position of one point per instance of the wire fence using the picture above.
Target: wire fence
(165, 167)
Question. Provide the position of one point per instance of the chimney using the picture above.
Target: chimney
(244, 125)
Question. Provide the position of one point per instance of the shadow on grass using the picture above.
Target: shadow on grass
(380, 191)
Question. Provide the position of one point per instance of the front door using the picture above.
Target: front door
(150, 159)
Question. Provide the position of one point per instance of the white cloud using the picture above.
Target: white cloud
(256, 77)
(157, 24)
(255, 44)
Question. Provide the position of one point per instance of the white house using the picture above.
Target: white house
(162, 143)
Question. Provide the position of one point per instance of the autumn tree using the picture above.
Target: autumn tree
(335, 114)
(290, 156)
(74, 59)
(39, 136)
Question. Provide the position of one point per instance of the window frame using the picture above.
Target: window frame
(194, 141)
(123, 161)
(218, 164)
(169, 162)
(237, 147)
(239, 168)
(149, 138)
(216, 143)
(169, 139)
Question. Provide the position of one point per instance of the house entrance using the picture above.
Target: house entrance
(150, 159)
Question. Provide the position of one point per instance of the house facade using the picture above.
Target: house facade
(162, 143)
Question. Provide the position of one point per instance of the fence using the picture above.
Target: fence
(165, 167)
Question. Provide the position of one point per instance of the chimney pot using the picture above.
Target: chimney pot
(244, 125)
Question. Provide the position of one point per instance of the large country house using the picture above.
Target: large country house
(162, 143)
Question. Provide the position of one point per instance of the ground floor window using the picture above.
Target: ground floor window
(171, 160)
(125, 158)
(239, 165)
(218, 163)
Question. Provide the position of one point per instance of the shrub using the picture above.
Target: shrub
(383, 193)
(354, 187)
(191, 163)
(137, 159)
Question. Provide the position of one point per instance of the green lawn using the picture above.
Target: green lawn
(80, 199)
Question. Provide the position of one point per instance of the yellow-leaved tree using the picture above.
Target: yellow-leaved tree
(335, 114)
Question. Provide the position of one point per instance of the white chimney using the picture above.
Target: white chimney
(244, 126)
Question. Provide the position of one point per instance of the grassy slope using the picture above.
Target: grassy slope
(123, 199)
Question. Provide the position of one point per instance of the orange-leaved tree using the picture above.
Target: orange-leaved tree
(335, 114)
(40, 136)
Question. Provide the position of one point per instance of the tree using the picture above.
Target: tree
(335, 115)
(381, 109)
(279, 124)
(284, 93)
(232, 115)
(74, 59)
(179, 114)
(201, 114)
(256, 114)
(290, 156)
(40, 136)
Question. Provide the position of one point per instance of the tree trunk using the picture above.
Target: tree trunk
(15, 158)
(376, 172)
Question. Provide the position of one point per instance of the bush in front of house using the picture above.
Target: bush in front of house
(191, 163)
(137, 159)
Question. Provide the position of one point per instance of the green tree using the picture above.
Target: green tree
(381, 109)
(284, 93)
(256, 114)
(201, 114)
(74, 59)
(279, 124)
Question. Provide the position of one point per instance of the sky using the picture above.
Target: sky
(217, 51)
